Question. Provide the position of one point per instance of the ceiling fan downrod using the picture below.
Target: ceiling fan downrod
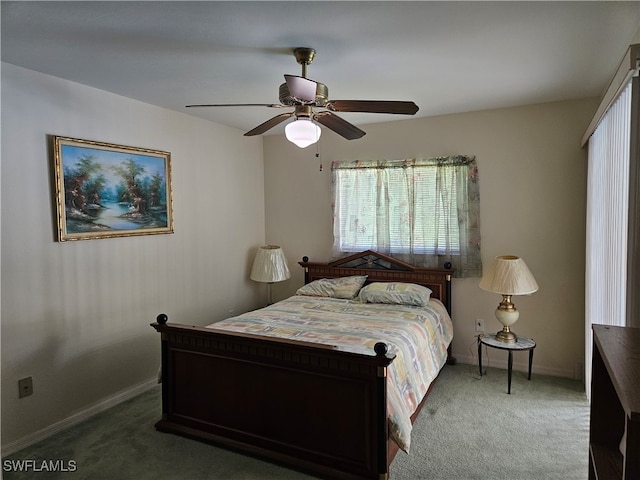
(304, 56)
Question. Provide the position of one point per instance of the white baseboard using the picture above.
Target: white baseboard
(120, 397)
(112, 401)
(495, 362)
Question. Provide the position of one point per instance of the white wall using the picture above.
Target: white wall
(75, 315)
(533, 201)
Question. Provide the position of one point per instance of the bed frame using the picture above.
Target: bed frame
(307, 406)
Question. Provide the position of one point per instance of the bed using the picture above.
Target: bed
(333, 401)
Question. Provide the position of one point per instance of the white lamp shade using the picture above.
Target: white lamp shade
(508, 275)
(302, 132)
(270, 265)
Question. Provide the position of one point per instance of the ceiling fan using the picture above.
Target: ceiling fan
(311, 103)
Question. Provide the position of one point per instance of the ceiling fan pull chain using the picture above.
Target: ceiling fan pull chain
(318, 154)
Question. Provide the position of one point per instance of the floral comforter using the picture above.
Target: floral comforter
(418, 336)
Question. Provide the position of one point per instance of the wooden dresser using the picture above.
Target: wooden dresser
(615, 404)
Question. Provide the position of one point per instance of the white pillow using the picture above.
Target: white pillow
(396, 293)
(343, 287)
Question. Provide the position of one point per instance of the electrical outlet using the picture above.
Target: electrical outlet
(479, 325)
(25, 387)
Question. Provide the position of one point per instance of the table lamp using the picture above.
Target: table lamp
(270, 266)
(508, 275)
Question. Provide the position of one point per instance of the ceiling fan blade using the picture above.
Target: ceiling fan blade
(339, 125)
(270, 105)
(272, 122)
(372, 106)
(301, 88)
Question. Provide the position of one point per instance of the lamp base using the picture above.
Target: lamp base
(507, 336)
(507, 315)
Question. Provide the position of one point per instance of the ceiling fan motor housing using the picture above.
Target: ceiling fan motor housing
(322, 96)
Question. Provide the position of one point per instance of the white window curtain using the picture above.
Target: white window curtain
(423, 211)
(607, 221)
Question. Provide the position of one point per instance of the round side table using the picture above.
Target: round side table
(523, 343)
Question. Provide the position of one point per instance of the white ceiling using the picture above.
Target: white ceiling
(446, 56)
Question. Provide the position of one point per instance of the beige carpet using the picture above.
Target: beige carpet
(469, 429)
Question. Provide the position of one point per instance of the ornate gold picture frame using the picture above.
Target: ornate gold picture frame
(105, 190)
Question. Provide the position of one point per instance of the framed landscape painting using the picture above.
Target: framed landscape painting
(105, 190)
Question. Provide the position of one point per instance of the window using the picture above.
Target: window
(608, 214)
(425, 211)
(612, 270)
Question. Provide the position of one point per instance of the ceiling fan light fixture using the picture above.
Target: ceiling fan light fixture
(303, 132)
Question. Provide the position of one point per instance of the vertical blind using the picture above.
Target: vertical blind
(607, 220)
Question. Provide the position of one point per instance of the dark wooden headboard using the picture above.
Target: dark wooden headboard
(383, 268)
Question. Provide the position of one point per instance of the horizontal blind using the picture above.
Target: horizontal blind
(397, 209)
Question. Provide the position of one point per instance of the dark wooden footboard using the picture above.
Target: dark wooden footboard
(309, 406)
